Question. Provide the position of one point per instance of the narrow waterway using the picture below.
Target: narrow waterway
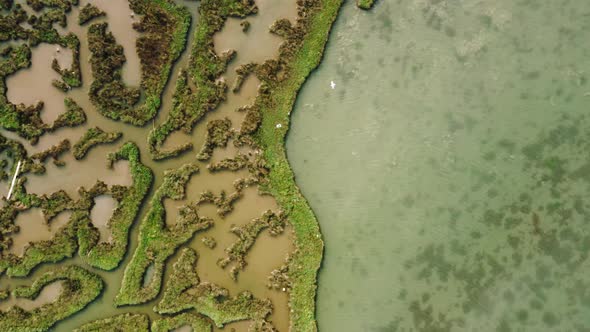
(449, 166)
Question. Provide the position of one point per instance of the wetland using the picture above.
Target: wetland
(149, 151)
(143, 178)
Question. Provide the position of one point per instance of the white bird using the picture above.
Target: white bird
(333, 85)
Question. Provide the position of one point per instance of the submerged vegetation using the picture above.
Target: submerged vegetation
(164, 235)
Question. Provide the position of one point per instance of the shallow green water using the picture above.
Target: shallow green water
(450, 166)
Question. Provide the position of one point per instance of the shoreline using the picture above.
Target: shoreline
(276, 107)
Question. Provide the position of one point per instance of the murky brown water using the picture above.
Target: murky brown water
(104, 205)
(79, 175)
(34, 228)
(257, 44)
(267, 254)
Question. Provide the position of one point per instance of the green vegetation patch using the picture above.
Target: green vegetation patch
(108, 92)
(21, 201)
(80, 287)
(205, 68)
(13, 151)
(120, 323)
(176, 120)
(253, 162)
(365, 4)
(70, 77)
(64, 242)
(91, 138)
(245, 26)
(88, 13)
(54, 152)
(25, 119)
(224, 202)
(79, 233)
(43, 32)
(185, 291)
(240, 161)
(163, 27)
(242, 72)
(279, 278)
(73, 116)
(197, 322)
(158, 241)
(108, 255)
(247, 235)
(141, 323)
(62, 245)
(6, 4)
(64, 5)
(11, 23)
(209, 242)
(299, 55)
(4, 294)
(218, 134)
